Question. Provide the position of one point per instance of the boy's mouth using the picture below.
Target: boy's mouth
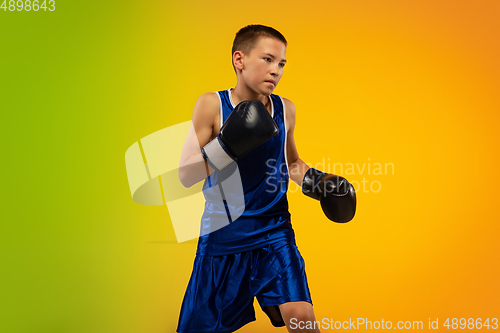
(271, 81)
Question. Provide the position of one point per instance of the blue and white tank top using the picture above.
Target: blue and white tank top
(258, 200)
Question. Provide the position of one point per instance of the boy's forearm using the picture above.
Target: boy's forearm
(195, 169)
(297, 170)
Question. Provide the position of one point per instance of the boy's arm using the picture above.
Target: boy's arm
(193, 167)
(296, 167)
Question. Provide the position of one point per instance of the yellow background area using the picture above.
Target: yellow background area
(409, 84)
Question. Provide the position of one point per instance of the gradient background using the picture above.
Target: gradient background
(412, 83)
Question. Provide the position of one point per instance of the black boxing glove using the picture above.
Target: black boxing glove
(335, 193)
(248, 126)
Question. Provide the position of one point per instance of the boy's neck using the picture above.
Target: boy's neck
(240, 94)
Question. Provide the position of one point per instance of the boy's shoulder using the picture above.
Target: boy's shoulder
(209, 97)
(206, 109)
(290, 107)
(208, 101)
(285, 100)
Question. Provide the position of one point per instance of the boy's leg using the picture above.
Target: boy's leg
(299, 317)
(282, 280)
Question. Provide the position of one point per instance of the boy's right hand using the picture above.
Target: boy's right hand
(248, 126)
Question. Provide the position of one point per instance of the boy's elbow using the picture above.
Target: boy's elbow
(184, 179)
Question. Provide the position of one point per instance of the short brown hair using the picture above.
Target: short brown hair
(246, 39)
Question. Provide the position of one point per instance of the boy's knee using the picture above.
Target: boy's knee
(303, 317)
(299, 317)
(299, 311)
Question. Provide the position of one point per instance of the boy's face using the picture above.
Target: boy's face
(263, 67)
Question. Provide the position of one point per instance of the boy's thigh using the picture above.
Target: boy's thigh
(282, 280)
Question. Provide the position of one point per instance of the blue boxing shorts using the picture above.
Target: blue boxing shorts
(221, 290)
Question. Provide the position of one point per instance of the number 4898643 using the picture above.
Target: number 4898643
(28, 5)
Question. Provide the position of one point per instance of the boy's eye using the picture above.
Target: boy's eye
(267, 59)
(282, 64)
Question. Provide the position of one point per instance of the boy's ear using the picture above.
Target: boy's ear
(238, 60)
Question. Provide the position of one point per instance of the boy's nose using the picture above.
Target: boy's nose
(275, 70)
